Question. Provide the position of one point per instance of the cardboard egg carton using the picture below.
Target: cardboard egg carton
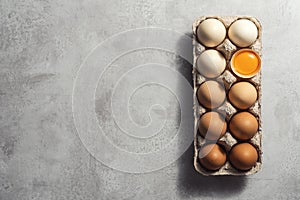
(228, 78)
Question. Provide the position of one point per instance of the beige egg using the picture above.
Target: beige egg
(243, 156)
(211, 94)
(212, 125)
(211, 63)
(243, 125)
(243, 32)
(242, 95)
(211, 32)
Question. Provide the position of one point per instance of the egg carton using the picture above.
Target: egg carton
(228, 78)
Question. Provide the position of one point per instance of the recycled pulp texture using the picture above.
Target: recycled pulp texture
(228, 78)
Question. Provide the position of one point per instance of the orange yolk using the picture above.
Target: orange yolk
(246, 62)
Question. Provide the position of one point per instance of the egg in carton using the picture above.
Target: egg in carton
(215, 71)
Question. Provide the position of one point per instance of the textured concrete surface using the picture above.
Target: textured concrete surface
(44, 43)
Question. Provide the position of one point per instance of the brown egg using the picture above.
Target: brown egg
(212, 156)
(211, 94)
(243, 156)
(242, 95)
(212, 125)
(243, 125)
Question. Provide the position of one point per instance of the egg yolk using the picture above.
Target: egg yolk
(246, 62)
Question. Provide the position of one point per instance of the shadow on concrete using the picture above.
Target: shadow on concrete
(189, 182)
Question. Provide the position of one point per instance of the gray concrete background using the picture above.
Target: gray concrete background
(42, 45)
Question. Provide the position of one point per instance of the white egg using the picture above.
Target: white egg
(211, 32)
(243, 32)
(211, 63)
